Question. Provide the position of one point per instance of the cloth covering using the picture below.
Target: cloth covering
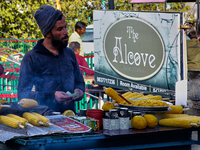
(49, 73)
(193, 54)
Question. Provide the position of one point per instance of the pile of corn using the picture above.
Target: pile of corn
(147, 103)
(175, 118)
(150, 100)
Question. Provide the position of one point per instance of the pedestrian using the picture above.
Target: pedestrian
(193, 51)
(50, 66)
(75, 46)
(80, 29)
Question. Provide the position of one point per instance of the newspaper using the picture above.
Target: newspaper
(60, 124)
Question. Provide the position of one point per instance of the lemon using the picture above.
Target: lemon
(69, 113)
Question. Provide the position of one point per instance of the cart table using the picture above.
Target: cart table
(159, 138)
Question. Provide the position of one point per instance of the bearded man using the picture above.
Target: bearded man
(50, 68)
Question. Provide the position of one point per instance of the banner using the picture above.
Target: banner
(137, 50)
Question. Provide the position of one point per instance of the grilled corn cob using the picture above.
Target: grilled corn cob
(131, 95)
(23, 121)
(45, 120)
(126, 94)
(33, 119)
(177, 122)
(152, 121)
(157, 97)
(136, 96)
(113, 94)
(107, 106)
(175, 115)
(11, 122)
(26, 103)
(176, 109)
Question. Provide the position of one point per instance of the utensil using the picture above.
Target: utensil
(124, 98)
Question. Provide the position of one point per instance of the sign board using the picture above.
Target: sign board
(137, 50)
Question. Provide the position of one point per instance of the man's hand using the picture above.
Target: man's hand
(79, 94)
(63, 98)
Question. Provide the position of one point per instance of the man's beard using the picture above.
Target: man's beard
(58, 43)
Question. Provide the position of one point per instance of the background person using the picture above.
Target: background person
(75, 46)
(80, 29)
(50, 66)
(193, 51)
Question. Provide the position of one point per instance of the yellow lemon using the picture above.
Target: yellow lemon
(69, 113)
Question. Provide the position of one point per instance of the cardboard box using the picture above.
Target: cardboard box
(90, 122)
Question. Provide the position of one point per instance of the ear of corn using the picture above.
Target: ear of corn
(131, 95)
(139, 122)
(45, 120)
(136, 96)
(175, 115)
(126, 94)
(23, 121)
(107, 106)
(11, 122)
(177, 122)
(113, 94)
(176, 109)
(33, 119)
(152, 121)
(157, 97)
(26, 103)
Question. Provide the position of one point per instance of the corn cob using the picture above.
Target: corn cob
(45, 120)
(1, 106)
(26, 103)
(131, 95)
(107, 106)
(177, 122)
(175, 115)
(3, 101)
(113, 94)
(11, 122)
(23, 121)
(136, 96)
(33, 119)
(152, 121)
(157, 97)
(126, 94)
(176, 109)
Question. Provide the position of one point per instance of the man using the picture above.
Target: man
(193, 51)
(51, 67)
(80, 29)
(75, 46)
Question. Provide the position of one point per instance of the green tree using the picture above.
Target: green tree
(16, 16)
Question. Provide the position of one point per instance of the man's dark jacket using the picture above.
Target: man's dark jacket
(42, 73)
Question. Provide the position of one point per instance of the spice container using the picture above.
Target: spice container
(106, 120)
(130, 114)
(123, 119)
(114, 119)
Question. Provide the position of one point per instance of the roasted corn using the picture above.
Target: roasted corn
(33, 119)
(26, 103)
(23, 121)
(177, 122)
(45, 120)
(11, 122)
